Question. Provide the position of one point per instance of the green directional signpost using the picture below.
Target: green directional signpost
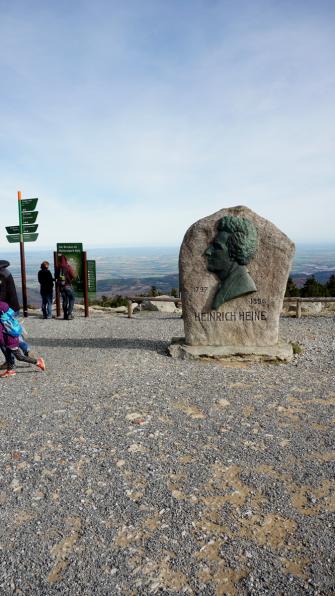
(24, 232)
(29, 217)
(26, 237)
(26, 229)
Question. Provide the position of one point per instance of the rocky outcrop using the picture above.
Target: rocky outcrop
(159, 304)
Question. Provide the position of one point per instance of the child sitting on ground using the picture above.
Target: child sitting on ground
(10, 331)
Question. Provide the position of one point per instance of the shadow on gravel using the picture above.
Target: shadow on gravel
(101, 342)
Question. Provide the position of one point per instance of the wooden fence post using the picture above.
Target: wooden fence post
(298, 314)
(86, 308)
(130, 309)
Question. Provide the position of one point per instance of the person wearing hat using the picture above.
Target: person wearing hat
(7, 287)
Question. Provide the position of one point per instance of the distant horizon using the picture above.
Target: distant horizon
(29, 248)
(92, 246)
(147, 261)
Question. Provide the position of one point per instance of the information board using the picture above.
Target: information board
(91, 277)
(73, 253)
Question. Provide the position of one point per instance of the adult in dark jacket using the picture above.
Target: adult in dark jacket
(7, 287)
(46, 289)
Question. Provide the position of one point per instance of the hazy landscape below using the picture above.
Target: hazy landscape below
(133, 270)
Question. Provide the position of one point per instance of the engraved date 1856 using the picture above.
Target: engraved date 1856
(254, 301)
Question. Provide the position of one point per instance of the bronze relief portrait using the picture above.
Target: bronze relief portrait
(233, 247)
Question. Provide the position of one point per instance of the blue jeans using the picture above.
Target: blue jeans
(68, 301)
(47, 304)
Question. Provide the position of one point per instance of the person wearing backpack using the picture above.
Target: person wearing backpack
(8, 294)
(10, 332)
(65, 276)
(46, 289)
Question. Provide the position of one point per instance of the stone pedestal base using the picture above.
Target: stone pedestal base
(281, 352)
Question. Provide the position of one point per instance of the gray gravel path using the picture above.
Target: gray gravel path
(124, 471)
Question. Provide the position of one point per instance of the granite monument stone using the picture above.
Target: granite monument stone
(233, 269)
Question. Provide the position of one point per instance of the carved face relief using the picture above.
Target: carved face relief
(234, 246)
(217, 254)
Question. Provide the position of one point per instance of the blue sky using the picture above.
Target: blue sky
(131, 119)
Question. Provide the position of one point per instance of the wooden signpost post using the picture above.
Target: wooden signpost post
(24, 232)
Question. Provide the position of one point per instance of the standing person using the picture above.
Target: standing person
(65, 278)
(46, 289)
(7, 287)
(8, 294)
(10, 343)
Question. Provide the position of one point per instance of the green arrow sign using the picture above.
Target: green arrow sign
(28, 204)
(26, 238)
(13, 238)
(30, 237)
(13, 229)
(30, 229)
(26, 228)
(29, 217)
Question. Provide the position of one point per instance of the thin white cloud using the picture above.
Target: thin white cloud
(138, 122)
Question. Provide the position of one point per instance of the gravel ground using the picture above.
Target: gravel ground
(125, 471)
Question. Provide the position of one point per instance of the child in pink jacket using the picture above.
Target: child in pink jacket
(10, 344)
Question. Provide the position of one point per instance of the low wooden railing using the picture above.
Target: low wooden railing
(299, 301)
(177, 301)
